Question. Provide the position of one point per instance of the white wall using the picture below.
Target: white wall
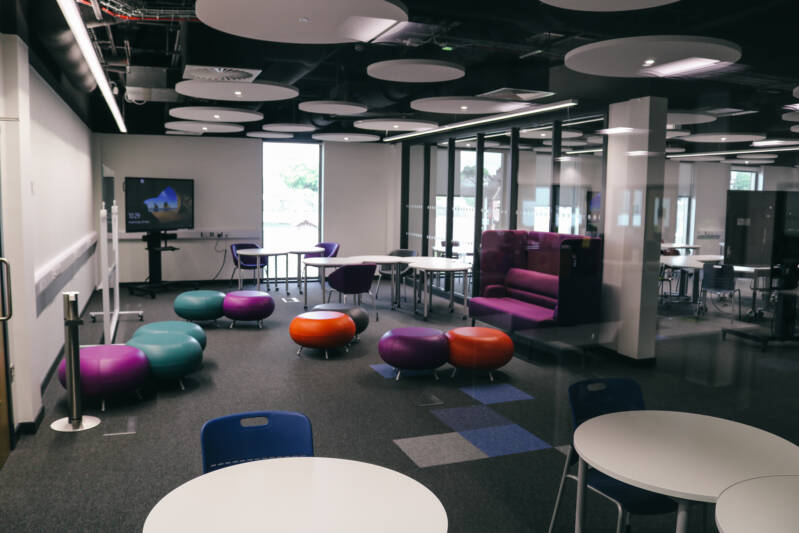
(62, 197)
(361, 197)
(711, 183)
(228, 183)
(780, 178)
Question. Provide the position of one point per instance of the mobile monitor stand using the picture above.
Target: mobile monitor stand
(156, 243)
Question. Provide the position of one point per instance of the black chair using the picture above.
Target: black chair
(591, 398)
(718, 279)
(386, 270)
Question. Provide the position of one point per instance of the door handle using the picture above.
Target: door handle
(7, 292)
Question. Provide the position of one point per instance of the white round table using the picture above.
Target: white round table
(258, 253)
(395, 262)
(687, 456)
(300, 494)
(427, 266)
(300, 252)
(767, 504)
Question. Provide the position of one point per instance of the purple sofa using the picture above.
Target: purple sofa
(532, 279)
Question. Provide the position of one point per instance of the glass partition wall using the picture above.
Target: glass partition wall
(560, 193)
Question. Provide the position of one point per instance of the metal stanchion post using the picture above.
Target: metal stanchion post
(72, 321)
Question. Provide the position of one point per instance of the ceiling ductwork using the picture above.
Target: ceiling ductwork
(55, 35)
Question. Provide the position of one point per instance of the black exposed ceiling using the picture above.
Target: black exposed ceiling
(502, 43)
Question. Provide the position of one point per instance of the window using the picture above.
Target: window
(743, 180)
(291, 198)
(683, 220)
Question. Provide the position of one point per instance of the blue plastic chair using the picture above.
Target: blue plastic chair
(244, 437)
(592, 398)
(244, 262)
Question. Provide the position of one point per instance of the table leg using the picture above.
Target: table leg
(393, 289)
(299, 272)
(287, 274)
(695, 295)
(579, 513)
(240, 269)
(258, 270)
(415, 272)
(451, 291)
(682, 517)
(323, 280)
(425, 276)
(305, 283)
(465, 294)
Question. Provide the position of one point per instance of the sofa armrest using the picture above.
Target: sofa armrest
(494, 291)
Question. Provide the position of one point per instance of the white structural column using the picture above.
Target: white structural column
(17, 221)
(633, 194)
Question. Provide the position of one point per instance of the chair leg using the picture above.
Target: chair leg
(620, 518)
(560, 490)
(377, 290)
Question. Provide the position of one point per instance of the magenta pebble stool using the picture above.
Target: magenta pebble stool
(247, 305)
(414, 349)
(109, 368)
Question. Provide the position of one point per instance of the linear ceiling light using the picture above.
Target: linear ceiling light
(588, 151)
(70, 10)
(485, 120)
(585, 121)
(735, 152)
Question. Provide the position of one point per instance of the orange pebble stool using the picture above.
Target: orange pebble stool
(322, 330)
(479, 348)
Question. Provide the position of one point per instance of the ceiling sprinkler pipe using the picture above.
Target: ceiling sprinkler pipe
(123, 11)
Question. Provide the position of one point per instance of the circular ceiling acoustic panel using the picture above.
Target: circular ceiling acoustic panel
(542, 150)
(702, 159)
(215, 114)
(681, 118)
(415, 70)
(288, 127)
(386, 124)
(792, 116)
(333, 107)
(674, 149)
(722, 138)
(465, 105)
(757, 156)
(675, 134)
(595, 139)
(203, 127)
(795, 129)
(189, 133)
(747, 161)
(547, 134)
(302, 21)
(346, 137)
(652, 55)
(770, 143)
(237, 91)
(607, 5)
(567, 142)
(269, 135)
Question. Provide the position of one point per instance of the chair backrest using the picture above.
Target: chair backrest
(595, 397)
(353, 279)
(399, 252)
(669, 251)
(331, 249)
(244, 437)
(718, 277)
(246, 261)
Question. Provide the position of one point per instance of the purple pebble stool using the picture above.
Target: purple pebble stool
(414, 349)
(247, 305)
(108, 368)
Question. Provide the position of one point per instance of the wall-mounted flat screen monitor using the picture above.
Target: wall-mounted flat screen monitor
(158, 204)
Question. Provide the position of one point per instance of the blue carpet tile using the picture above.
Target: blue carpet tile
(504, 440)
(474, 417)
(496, 393)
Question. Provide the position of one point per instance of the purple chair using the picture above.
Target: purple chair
(109, 368)
(356, 280)
(414, 349)
(244, 262)
(331, 250)
(248, 305)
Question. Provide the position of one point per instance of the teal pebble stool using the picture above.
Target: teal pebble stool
(199, 305)
(175, 326)
(171, 355)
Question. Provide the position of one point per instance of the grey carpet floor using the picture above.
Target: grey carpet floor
(98, 481)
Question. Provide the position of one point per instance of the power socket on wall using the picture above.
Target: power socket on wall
(213, 235)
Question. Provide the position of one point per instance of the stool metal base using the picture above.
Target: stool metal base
(64, 425)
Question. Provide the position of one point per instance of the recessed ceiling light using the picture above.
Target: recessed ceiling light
(395, 126)
(217, 117)
(723, 139)
(464, 107)
(447, 48)
(237, 93)
(746, 162)
(686, 66)
(205, 128)
(346, 138)
(543, 135)
(649, 62)
(619, 130)
(305, 19)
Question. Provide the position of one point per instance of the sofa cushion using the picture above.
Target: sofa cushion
(532, 287)
(510, 314)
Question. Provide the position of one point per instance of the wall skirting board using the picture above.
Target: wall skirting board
(30, 428)
(54, 276)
